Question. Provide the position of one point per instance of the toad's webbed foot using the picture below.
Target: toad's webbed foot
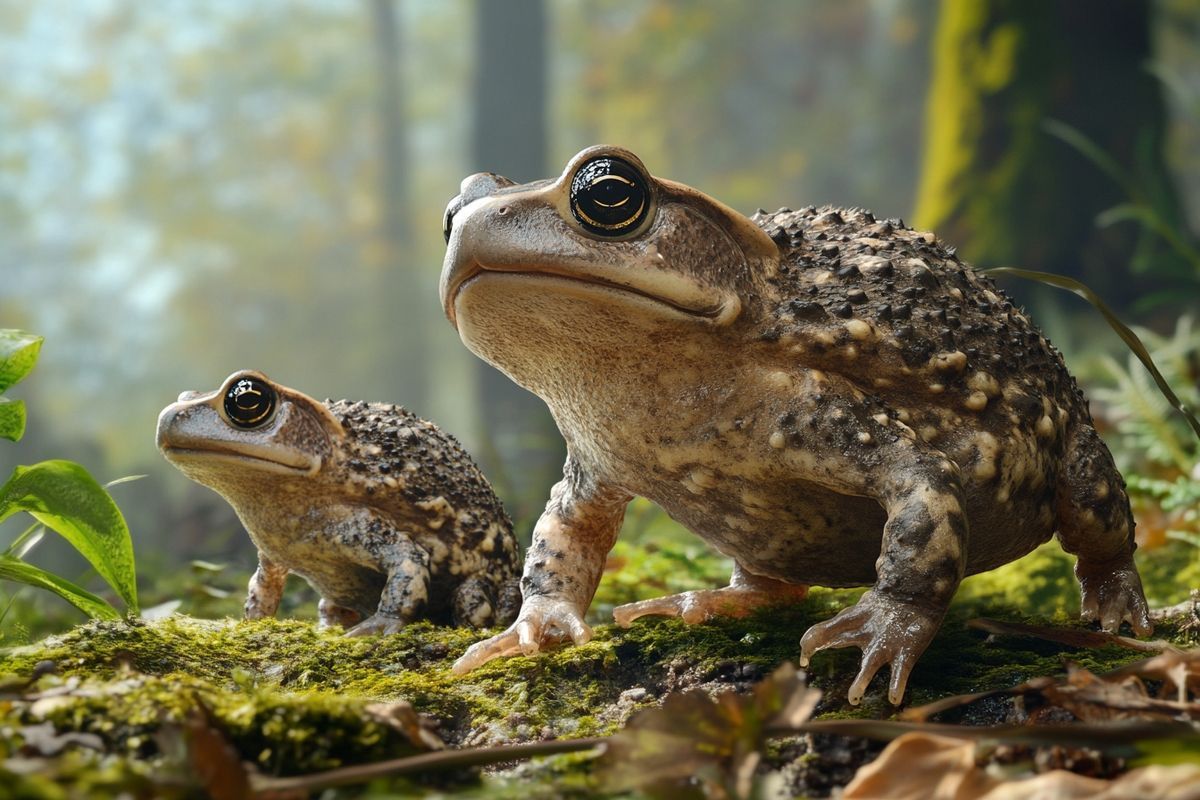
(543, 622)
(744, 594)
(1112, 593)
(889, 631)
(377, 625)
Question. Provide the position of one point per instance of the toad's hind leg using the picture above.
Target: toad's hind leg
(745, 593)
(331, 614)
(1095, 523)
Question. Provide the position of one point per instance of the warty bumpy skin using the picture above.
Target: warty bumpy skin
(825, 397)
(382, 512)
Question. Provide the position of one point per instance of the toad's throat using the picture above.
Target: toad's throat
(719, 310)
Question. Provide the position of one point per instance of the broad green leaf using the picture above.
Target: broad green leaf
(65, 498)
(14, 569)
(18, 353)
(1128, 336)
(12, 419)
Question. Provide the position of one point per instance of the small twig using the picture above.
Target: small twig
(265, 787)
(1072, 637)
(1119, 735)
(1188, 608)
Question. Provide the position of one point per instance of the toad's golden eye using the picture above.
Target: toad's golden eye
(250, 403)
(609, 196)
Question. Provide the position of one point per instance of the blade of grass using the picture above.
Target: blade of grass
(13, 569)
(1128, 336)
(15, 549)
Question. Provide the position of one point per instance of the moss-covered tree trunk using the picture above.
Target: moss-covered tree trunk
(995, 181)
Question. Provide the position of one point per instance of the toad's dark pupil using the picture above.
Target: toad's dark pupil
(609, 196)
(249, 403)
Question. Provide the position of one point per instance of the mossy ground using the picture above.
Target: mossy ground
(293, 699)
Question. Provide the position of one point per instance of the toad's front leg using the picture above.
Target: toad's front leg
(919, 569)
(266, 588)
(562, 569)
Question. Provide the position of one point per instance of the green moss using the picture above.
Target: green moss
(292, 698)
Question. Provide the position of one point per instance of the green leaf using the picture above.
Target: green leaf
(14, 569)
(18, 353)
(1128, 336)
(12, 419)
(65, 498)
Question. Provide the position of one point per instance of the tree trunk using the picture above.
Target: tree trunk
(392, 277)
(997, 183)
(523, 449)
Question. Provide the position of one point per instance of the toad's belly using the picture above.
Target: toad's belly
(334, 577)
(803, 533)
(347, 585)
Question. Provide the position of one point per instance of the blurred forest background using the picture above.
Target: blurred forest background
(191, 187)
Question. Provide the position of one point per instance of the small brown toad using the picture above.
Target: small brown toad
(825, 397)
(382, 512)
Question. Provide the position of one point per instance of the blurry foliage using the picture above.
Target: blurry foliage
(62, 497)
(697, 746)
(1153, 440)
(1151, 207)
(995, 183)
(1154, 447)
(764, 108)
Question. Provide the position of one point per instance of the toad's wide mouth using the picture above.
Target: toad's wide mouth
(716, 311)
(300, 465)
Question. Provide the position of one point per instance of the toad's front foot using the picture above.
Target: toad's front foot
(1112, 593)
(543, 622)
(888, 631)
(377, 625)
(704, 604)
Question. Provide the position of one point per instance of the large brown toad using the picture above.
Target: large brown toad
(824, 397)
(383, 513)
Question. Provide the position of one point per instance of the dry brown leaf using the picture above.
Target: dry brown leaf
(1179, 672)
(699, 744)
(1119, 694)
(1094, 699)
(919, 766)
(400, 716)
(1157, 782)
(214, 761)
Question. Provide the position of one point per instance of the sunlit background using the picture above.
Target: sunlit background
(191, 187)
